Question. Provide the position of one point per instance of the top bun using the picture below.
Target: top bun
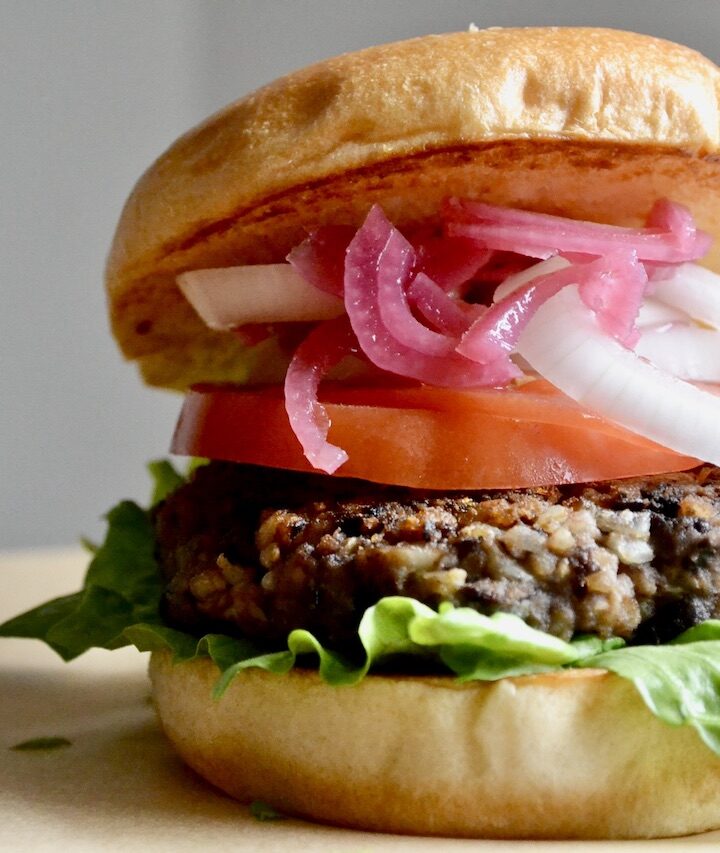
(588, 123)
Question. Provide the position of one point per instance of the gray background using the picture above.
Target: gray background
(90, 93)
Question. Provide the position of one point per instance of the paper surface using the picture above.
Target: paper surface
(118, 786)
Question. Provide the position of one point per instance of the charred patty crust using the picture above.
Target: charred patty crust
(258, 552)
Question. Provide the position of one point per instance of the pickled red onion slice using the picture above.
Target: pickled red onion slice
(517, 280)
(263, 293)
(320, 258)
(449, 261)
(325, 346)
(448, 315)
(393, 304)
(672, 236)
(373, 257)
(564, 343)
(615, 295)
(496, 333)
(677, 220)
(502, 265)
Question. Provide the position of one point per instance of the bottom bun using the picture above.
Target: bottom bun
(566, 755)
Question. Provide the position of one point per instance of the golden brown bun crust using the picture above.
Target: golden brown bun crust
(588, 123)
(569, 755)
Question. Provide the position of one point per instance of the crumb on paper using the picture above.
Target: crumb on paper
(41, 744)
(262, 811)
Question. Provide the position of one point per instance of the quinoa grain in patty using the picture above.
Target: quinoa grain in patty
(258, 552)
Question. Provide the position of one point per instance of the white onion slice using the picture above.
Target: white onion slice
(653, 312)
(565, 345)
(692, 289)
(686, 351)
(518, 279)
(262, 293)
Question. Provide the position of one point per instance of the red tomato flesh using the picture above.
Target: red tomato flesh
(427, 438)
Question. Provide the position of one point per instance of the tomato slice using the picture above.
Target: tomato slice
(427, 437)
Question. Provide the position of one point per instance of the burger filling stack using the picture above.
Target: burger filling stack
(446, 559)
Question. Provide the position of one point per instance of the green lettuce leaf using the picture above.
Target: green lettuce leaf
(679, 682)
(122, 587)
(165, 478)
(120, 605)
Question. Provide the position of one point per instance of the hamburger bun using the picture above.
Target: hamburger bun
(574, 754)
(587, 123)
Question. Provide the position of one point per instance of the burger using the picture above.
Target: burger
(446, 314)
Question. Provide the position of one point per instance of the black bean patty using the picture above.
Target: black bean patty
(257, 552)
